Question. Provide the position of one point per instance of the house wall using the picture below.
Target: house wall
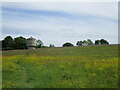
(31, 43)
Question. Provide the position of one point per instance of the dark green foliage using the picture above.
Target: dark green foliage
(79, 43)
(85, 41)
(89, 42)
(101, 42)
(20, 43)
(67, 44)
(51, 45)
(97, 42)
(39, 44)
(8, 43)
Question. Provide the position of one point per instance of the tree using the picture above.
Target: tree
(51, 45)
(0, 45)
(79, 43)
(39, 44)
(89, 42)
(20, 43)
(102, 41)
(67, 44)
(8, 43)
(85, 43)
(97, 42)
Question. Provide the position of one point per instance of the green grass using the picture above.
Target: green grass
(68, 67)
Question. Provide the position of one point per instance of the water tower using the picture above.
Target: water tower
(31, 43)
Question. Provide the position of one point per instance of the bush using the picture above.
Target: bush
(101, 42)
(67, 44)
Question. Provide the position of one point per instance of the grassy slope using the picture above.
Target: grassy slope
(70, 67)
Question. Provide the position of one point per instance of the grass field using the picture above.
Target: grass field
(69, 67)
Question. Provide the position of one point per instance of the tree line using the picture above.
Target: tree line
(87, 42)
(9, 43)
(17, 43)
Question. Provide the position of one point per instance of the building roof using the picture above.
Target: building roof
(31, 38)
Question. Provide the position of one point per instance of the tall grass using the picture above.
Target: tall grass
(75, 67)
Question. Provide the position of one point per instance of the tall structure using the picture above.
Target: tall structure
(31, 43)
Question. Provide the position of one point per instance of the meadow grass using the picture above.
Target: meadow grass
(70, 67)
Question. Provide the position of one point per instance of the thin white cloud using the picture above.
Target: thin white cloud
(101, 9)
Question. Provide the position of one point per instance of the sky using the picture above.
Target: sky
(60, 22)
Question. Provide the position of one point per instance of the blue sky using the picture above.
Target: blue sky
(57, 23)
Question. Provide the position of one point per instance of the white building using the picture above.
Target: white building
(31, 43)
